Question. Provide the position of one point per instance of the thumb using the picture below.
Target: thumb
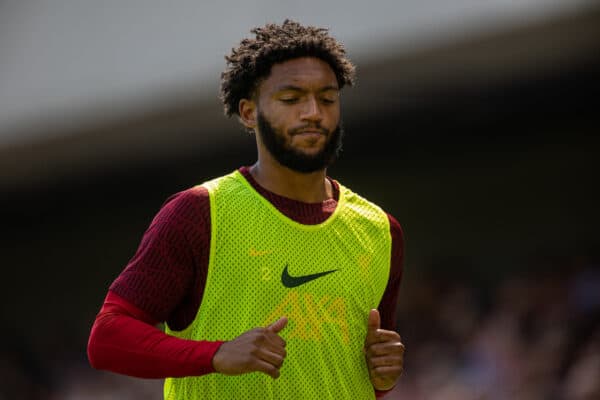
(374, 320)
(373, 325)
(278, 325)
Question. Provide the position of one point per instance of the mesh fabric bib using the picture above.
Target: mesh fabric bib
(325, 278)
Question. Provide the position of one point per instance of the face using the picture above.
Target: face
(296, 113)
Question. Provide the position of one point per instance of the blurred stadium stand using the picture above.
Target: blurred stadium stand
(483, 142)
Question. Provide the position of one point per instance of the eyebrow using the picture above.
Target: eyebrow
(299, 89)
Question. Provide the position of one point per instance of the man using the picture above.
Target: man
(275, 281)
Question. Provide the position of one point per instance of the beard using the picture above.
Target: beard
(274, 141)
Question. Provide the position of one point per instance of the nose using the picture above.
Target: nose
(312, 110)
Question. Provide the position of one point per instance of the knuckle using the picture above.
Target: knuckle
(279, 362)
(394, 347)
(254, 351)
(382, 370)
(260, 337)
(382, 361)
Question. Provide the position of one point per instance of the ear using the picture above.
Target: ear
(247, 110)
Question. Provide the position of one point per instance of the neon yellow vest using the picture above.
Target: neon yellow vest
(252, 243)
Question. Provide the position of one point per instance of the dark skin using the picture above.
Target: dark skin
(258, 350)
(384, 353)
(300, 99)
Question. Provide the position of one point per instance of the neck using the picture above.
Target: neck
(313, 187)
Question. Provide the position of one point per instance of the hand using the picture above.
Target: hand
(257, 350)
(384, 353)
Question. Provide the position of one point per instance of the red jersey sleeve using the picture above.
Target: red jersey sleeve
(124, 340)
(389, 301)
(162, 282)
(166, 276)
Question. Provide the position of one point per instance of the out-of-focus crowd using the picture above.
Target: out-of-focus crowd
(531, 336)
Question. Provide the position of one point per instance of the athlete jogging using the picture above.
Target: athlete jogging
(273, 281)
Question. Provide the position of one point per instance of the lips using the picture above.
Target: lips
(310, 136)
(309, 132)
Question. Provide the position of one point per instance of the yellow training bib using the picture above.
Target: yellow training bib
(324, 278)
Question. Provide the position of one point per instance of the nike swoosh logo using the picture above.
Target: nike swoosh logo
(294, 281)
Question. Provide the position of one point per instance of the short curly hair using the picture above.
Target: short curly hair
(251, 62)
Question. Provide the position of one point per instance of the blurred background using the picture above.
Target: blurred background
(473, 122)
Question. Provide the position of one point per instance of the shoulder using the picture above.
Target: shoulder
(186, 206)
(188, 197)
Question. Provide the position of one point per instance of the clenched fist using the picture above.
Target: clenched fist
(384, 353)
(257, 350)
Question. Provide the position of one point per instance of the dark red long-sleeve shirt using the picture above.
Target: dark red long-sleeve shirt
(164, 282)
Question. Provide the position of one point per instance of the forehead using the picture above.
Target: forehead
(305, 72)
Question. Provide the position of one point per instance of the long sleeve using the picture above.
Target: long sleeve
(124, 339)
(164, 281)
(389, 301)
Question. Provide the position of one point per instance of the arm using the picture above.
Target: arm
(124, 340)
(389, 301)
(164, 282)
(170, 263)
(383, 348)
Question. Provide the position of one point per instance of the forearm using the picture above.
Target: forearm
(125, 342)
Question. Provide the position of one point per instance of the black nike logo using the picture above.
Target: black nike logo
(293, 281)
